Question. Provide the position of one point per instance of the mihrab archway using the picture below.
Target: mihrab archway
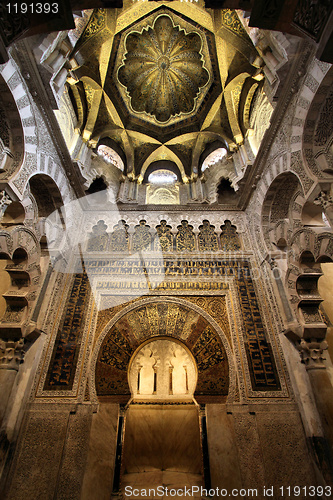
(163, 415)
(161, 317)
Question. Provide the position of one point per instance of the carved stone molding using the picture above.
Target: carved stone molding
(11, 354)
(312, 353)
(21, 54)
(291, 87)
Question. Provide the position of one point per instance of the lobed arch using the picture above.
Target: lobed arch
(162, 153)
(307, 250)
(12, 142)
(201, 236)
(117, 325)
(14, 214)
(46, 194)
(98, 185)
(5, 281)
(317, 135)
(312, 215)
(79, 105)
(46, 199)
(25, 136)
(21, 250)
(45, 165)
(280, 207)
(15, 280)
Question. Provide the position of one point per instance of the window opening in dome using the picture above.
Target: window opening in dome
(162, 177)
(213, 158)
(110, 156)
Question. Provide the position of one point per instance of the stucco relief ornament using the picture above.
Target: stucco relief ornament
(11, 354)
(5, 201)
(163, 69)
(324, 200)
(312, 353)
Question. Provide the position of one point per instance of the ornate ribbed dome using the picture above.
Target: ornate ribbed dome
(163, 69)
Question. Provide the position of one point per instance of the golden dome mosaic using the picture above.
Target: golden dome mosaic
(163, 69)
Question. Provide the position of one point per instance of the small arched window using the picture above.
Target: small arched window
(110, 156)
(213, 158)
(162, 177)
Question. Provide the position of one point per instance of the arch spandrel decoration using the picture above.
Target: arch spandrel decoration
(162, 319)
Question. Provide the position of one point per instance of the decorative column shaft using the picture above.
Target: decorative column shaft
(119, 451)
(204, 445)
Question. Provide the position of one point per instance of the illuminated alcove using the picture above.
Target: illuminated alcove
(162, 369)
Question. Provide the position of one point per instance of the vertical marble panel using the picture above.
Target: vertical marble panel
(223, 456)
(98, 477)
(162, 437)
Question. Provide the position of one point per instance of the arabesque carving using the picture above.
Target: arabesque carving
(11, 354)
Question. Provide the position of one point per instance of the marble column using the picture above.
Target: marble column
(119, 453)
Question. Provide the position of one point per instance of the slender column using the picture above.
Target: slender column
(204, 445)
(119, 451)
(11, 355)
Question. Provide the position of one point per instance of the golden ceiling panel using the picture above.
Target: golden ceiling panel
(163, 73)
(163, 70)
(158, 72)
(230, 28)
(231, 21)
(96, 24)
